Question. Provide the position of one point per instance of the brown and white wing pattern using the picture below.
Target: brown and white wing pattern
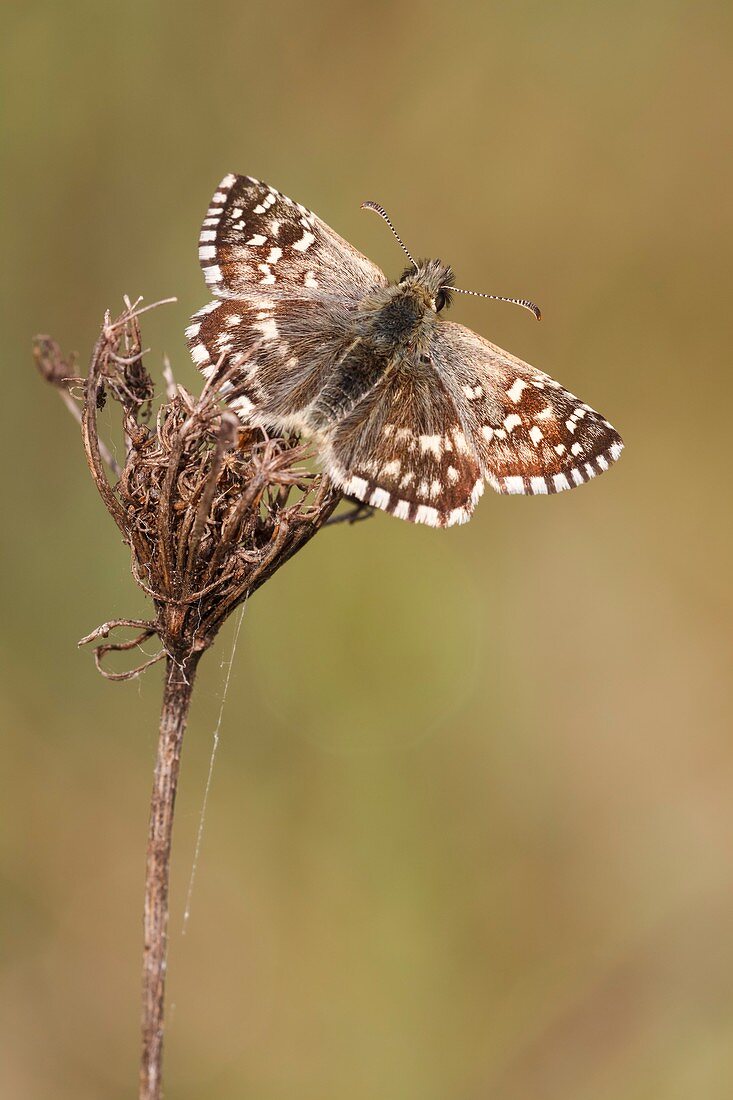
(403, 449)
(530, 434)
(284, 283)
(413, 431)
(284, 350)
(255, 242)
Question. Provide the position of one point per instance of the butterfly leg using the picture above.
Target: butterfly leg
(359, 512)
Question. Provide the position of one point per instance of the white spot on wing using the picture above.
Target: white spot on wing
(379, 498)
(514, 484)
(268, 329)
(426, 514)
(458, 515)
(212, 274)
(305, 242)
(210, 307)
(356, 487)
(199, 354)
(514, 392)
(460, 442)
(433, 443)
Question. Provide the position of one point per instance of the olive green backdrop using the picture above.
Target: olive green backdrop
(470, 832)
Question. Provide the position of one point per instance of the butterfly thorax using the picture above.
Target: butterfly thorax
(400, 316)
(390, 330)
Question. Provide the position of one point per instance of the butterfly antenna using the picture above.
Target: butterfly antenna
(524, 302)
(383, 214)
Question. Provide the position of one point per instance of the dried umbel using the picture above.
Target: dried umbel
(210, 510)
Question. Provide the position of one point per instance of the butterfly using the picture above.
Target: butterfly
(409, 412)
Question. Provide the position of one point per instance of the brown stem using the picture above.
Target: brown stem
(174, 715)
(90, 437)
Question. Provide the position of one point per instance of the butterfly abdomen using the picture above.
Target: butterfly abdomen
(358, 372)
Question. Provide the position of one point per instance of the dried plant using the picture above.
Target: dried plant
(210, 510)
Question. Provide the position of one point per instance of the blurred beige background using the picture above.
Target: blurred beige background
(470, 833)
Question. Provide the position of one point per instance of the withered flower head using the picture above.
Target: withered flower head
(210, 508)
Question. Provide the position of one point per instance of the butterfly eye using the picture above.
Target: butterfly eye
(440, 299)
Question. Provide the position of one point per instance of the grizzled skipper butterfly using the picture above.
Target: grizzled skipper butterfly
(410, 413)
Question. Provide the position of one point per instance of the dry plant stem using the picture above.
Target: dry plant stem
(210, 510)
(179, 680)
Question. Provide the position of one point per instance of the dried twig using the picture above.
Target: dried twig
(210, 510)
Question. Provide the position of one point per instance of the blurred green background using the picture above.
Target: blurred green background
(470, 833)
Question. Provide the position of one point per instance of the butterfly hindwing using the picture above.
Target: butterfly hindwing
(285, 350)
(530, 434)
(256, 242)
(403, 449)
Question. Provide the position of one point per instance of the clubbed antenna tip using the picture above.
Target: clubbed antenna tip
(383, 214)
(523, 302)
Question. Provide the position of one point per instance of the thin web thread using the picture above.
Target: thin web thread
(212, 759)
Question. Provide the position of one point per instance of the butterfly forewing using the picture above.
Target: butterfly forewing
(531, 435)
(255, 242)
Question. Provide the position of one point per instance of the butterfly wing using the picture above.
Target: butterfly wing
(530, 434)
(420, 444)
(257, 243)
(284, 350)
(403, 449)
(284, 284)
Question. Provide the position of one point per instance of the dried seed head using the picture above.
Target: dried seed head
(209, 508)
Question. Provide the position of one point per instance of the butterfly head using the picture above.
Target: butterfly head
(434, 275)
(403, 314)
(427, 281)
